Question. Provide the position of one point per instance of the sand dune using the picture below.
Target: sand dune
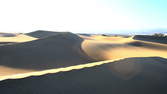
(17, 38)
(151, 38)
(128, 76)
(7, 34)
(42, 33)
(67, 49)
(105, 48)
(57, 51)
(67, 56)
(7, 71)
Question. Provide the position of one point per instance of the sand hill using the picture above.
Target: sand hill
(61, 50)
(67, 49)
(128, 76)
(142, 70)
(106, 48)
(7, 34)
(42, 33)
(151, 38)
(16, 38)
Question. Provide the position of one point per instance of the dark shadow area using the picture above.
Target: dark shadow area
(61, 50)
(148, 45)
(151, 38)
(7, 43)
(128, 76)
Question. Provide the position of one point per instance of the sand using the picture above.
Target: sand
(151, 38)
(7, 71)
(57, 51)
(17, 38)
(105, 48)
(8, 34)
(43, 33)
(67, 49)
(76, 64)
(128, 76)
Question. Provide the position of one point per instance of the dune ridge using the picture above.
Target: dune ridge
(129, 76)
(67, 51)
(158, 39)
(7, 34)
(63, 69)
(68, 63)
(57, 70)
(18, 38)
(43, 33)
(61, 50)
(105, 48)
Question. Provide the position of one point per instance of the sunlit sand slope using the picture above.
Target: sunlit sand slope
(67, 49)
(128, 76)
(7, 71)
(105, 48)
(17, 38)
(57, 51)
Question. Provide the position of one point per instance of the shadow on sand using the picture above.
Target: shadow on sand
(128, 76)
(61, 50)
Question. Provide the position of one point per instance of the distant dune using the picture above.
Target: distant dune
(42, 33)
(151, 38)
(61, 50)
(105, 48)
(128, 76)
(7, 34)
(117, 64)
(67, 49)
(16, 38)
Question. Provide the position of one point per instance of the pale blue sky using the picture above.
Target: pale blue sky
(150, 13)
(87, 16)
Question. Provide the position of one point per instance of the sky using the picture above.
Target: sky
(86, 16)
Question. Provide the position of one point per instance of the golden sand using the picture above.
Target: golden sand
(106, 48)
(17, 38)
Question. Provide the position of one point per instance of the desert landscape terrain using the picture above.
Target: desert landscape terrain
(46, 62)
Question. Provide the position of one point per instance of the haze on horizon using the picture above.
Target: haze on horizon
(86, 16)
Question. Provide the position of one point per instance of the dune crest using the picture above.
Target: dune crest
(43, 33)
(61, 50)
(67, 51)
(147, 76)
(17, 38)
(106, 48)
